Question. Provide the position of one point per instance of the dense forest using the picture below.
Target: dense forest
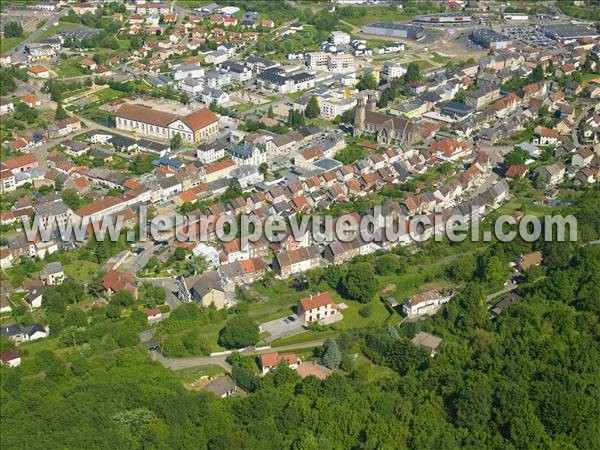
(529, 379)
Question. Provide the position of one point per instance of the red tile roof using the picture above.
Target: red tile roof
(314, 301)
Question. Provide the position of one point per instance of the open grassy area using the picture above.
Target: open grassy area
(440, 59)
(193, 373)
(69, 68)
(9, 43)
(81, 270)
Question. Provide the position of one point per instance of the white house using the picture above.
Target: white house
(12, 358)
(248, 154)
(269, 361)
(187, 71)
(422, 304)
(317, 308)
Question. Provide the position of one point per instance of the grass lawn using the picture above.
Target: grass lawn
(70, 68)
(193, 373)
(379, 14)
(423, 65)
(437, 58)
(8, 43)
(81, 270)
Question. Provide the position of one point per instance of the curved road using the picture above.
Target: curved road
(575, 130)
(184, 363)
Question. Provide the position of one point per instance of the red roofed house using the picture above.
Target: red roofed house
(31, 100)
(516, 172)
(39, 71)
(12, 358)
(317, 308)
(88, 64)
(23, 163)
(153, 314)
(269, 361)
(448, 149)
(545, 136)
(114, 281)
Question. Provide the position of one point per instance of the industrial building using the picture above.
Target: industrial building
(565, 33)
(489, 38)
(395, 30)
(444, 19)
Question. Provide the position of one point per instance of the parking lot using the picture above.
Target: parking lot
(286, 326)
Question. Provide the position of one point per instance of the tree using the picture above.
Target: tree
(360, 282)
(123, 298)
(367, 82)
(460, 96)
(295, 119)
(141, 164)
(263, 169)
(240, 331)
(537, 74)
(175, 141)
(71, 198)
(312, 110)
(179, 254)
(60, 114)
(332, 357)
(13, 29)
(270, 112)
(413, 73)
(184, 98)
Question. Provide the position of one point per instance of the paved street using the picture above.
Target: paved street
(184, 363)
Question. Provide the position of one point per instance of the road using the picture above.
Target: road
(36, 34)
(185, 363)
(575, 130)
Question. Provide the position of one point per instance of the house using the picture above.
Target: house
(583, 158)
(21, 163)
(507, 301)
(114, 281)
(53, 274)
(448, 149)
(153, 315)
(6, 106)
(222, 387)
(288, 263)
(21, 333)
(427, 341)
(208, 288)
(317, 308)
(424, 304)
(31, 100)
(38, 71)
(551, 175)
(309, 368)
(269, 361)
(524, 262)
(12, 358)
(545, 136)
(516, 172)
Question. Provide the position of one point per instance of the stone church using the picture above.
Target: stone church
(386, 129)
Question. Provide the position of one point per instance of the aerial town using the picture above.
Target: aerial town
(133, 110)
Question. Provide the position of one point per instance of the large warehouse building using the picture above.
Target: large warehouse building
(489, 38)
(566, 33)
(444, 19)
(395, 30)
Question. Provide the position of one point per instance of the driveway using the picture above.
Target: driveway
(282, 327)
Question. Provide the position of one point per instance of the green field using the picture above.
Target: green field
(81, 270)
(8, 43)
(70, 68)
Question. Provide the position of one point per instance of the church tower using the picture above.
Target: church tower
(359, 116)
(371, 102)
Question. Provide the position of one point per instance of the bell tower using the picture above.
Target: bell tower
(359, 117)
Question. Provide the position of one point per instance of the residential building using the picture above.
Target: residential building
(317, 308)
(269, 361)
(391, 70)
(200, 126)
(424, 304)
